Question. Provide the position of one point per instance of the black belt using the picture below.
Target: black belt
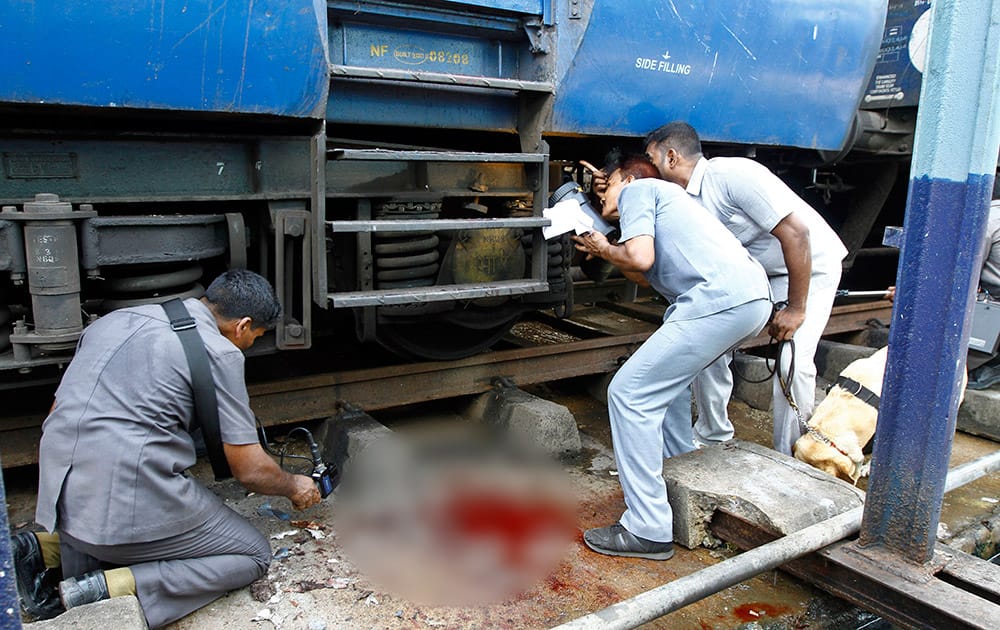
(858, 390)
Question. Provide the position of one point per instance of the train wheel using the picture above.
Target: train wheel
(440, 340)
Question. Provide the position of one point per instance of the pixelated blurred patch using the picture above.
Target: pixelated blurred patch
(455, 518)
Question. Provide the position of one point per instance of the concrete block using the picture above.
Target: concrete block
(833, 357)
(761, 485)
(548, 425)
(120, 613)
(979, 413)
(748, 368)
(343, 436)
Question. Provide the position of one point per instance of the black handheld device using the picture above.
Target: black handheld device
(326, 475)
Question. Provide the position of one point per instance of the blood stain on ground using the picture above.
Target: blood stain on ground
(755, 610)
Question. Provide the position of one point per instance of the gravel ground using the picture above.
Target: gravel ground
(315, 582)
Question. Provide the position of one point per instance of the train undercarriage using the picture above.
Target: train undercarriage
(432, 254)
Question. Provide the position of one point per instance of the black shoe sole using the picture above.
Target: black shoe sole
(981, 386)
(27, 576)
(652, 555)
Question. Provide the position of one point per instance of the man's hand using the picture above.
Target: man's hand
(255, 469)
(785, 322)
(591, 242)
(598, 179)
(306, 494)
(793, 234)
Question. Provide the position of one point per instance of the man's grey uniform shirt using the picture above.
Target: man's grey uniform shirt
(751, 200)
(116, 445)
(699, 265)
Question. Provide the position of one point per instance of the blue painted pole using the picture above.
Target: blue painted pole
(10, 609)
(951, 179)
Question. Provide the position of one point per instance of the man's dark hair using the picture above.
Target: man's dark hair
(613, 160)
(996, 186)
(676, 135)
(638, 166)
(242, 293)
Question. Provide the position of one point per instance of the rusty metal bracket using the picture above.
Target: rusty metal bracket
(237, 230)
(292, 254)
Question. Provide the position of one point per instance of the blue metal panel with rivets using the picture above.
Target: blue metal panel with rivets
(462, 44)
(770, 72)
(261, 57)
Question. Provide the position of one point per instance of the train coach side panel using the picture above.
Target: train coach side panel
(770, 72)
(262, 57)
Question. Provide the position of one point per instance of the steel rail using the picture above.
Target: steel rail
(318, 396)
(310, 397)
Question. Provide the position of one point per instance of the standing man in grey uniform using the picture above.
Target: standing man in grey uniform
(799, 251)
(719, 298)
(114, 451)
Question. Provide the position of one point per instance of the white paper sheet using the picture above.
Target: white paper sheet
(566, 216)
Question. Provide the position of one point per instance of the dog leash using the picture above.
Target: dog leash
(786, 390)
(772, 343)
(813, 432)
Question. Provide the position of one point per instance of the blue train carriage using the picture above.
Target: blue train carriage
(778, 79)
(157, 145)
(385, 163)
(146, 147)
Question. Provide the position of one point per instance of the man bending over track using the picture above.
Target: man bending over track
(720, 297)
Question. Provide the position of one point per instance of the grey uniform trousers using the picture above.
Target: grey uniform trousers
(642, 391)
(178, 575)
(714, 385)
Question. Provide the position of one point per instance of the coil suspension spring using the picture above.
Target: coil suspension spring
(406, 259)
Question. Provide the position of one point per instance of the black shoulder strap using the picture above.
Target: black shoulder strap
(206, 406)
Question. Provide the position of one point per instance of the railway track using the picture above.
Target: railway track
(594, 340)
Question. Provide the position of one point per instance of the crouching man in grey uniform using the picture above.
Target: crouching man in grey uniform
(720, 297)
(112, 486)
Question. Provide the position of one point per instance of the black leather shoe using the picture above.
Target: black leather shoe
(984, 376)
(36, 585)
(618, 541)
(85, 589)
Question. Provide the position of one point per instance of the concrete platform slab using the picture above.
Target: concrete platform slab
(980, 413)
(346, 434)
(597, 386)
(773, 490)
(120, 613)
